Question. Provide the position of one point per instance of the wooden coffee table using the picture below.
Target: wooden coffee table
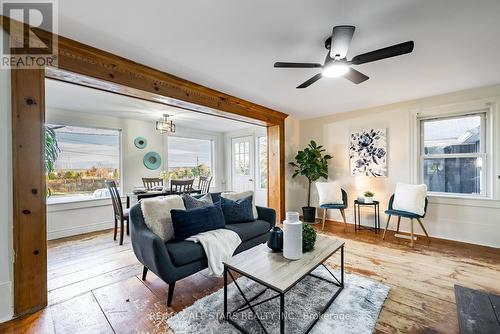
(275, 272)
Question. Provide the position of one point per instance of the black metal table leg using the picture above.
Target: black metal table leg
(282, 313)
(342, 266)
(225, 293)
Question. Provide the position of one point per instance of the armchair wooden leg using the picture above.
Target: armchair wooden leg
(423, 228)
(324, 218)
(399, 221)
(386, 226)
(412, 244)
(342, 212)
(128, 227)
(116, 229)
(171, 287)
(144, 273)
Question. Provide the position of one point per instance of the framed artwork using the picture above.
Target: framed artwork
(368, 153)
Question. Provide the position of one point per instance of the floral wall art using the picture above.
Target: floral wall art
(368, 153)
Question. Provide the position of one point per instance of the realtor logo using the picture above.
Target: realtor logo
(29, 39)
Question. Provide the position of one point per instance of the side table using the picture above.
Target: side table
(357, 216)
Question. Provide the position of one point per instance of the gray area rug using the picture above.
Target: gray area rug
(355, 310)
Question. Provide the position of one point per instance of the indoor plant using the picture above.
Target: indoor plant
(368, 196)
(312, 164)
(308, 238)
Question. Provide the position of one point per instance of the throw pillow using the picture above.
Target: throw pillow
(239, 211)
(191, 222)
(239, 195)
(191, 202)
(410, 198)
(156, 212)
(329, 193)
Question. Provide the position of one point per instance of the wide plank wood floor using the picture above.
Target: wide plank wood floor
(95, 285)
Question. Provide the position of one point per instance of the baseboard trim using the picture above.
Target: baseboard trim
(6, 306)
(76, 230)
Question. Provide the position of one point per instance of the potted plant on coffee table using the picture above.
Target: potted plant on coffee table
(311, 163)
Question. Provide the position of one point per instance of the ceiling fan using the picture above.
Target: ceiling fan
(336, 63)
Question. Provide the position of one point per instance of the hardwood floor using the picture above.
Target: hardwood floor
(95, 285)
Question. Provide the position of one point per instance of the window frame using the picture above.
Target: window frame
(259, 167)
(485, 152)
(213, 148)
(120, 164)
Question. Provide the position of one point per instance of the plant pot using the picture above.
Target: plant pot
(309, 213)
(368, 200)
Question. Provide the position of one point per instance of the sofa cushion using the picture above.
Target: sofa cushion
(184, 252)
(156, 212)
(196, 202)
(191, 222)
(250, 230)
(239, 195)
(238, 211)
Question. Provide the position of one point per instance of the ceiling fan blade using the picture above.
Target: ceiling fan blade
(296, 65)
(341, 40)
(310, 81)
(355, 76)
(388, 52)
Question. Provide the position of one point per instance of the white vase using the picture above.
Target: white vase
(368, 200)
(292, 236)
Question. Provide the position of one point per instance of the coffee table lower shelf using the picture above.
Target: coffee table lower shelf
(280, 294)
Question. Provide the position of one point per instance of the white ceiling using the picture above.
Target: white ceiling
(64, 96)
(231, 45)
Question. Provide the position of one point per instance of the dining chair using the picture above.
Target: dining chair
(120, 214)
(204, 184)
(340, 207)
(181, 186)
(151, 182)
(398, 213)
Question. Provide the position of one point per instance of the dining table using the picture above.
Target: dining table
(136, 197)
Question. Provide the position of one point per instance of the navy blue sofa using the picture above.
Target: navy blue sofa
(175, 260)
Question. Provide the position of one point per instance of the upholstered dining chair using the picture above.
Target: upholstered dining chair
(181, 186)
(204, 184)
(151, 182)
(119, 214)
(398, 213)
(340, 207)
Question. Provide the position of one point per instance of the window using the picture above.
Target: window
(454, 154)
(189, 158)
(87, 157)
(242, 158)
(262, 156)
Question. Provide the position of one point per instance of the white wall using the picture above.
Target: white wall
(473, 221)
(6, 268)
(65, 219)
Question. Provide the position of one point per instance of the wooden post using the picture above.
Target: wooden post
(30, 234)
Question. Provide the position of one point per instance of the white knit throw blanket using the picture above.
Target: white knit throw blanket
(219, 246)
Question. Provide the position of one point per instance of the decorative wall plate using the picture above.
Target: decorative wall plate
(140, 142)
(152, 160)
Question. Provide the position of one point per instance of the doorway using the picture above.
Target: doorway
(249, 165)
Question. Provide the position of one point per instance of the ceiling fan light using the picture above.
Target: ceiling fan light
(335, 69)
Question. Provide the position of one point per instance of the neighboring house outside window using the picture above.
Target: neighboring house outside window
(87, 157)
(454, 154)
